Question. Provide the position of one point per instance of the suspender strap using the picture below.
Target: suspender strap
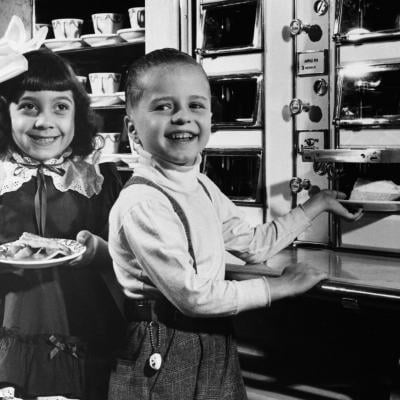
(175, 205)
(205, 189)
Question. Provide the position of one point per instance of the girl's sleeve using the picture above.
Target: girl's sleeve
(112, 186)
(255, 244)
(156, 236)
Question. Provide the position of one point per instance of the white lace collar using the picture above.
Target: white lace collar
(78, 174)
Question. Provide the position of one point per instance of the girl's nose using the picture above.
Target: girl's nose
(43, 121)
(180, 117)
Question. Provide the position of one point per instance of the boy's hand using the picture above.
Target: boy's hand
(295, 279)
(89, 240)
(327, 200)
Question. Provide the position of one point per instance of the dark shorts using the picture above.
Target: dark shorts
(198, 362)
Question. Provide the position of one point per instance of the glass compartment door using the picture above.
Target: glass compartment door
(368, 95)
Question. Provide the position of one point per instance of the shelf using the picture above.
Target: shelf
(114, 107)
(367, 155)
(94, 51)
(116, 57)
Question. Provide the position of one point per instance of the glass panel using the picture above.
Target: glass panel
(349, 173)
(365, 16)
(234, 101)
(237, 175)
(370, 91)
(229, 26)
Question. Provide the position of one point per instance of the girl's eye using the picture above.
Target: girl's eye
(62, 107)
(28, 108)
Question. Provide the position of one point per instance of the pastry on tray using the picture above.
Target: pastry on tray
(382, 190)
(34, 247)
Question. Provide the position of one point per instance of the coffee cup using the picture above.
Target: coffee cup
(82, 80)
(104, 82)
(107, 23)
(110, 142)
(137, 18)
(39, 26)
(67, 28)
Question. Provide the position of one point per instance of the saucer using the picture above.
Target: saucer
(63, 44)
(106, 99)
(131, 35)
(96, 40)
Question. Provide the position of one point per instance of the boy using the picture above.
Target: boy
(168, 233)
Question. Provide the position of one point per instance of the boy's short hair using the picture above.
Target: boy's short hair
(156, 58)
(48, 71)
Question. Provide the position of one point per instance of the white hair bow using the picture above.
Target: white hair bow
(14, 44)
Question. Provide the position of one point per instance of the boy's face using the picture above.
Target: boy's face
(43, 123)
(172, 120)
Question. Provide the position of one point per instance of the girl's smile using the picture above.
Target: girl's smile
(43, 123)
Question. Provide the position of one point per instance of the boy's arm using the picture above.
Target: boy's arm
(327, 200)
(259, 243)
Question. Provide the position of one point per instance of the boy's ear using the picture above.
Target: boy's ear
(130, 128)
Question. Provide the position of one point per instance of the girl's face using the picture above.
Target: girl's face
(43, 123)
(172, 120)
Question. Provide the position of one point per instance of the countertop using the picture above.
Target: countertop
(353, 277)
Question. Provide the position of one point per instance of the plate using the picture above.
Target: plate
(377, 206)
(63, 44)
(131, 35)
(107, 99)
(77, 250)
(96, 40)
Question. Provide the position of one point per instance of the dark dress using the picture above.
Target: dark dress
(60, 324)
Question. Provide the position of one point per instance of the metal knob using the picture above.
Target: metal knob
(296, 26)
(199, 51)
(314, 32)
(296, 106)
(297, 184)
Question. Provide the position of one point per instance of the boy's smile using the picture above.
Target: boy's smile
(43, 123)
(172, 120)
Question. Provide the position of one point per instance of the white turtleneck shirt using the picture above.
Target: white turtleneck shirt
(149, 246)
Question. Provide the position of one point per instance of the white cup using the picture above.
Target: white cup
(107, 23)
(104, 82)
(67, 28)
(38, 26)
(82, 80)
(137, 18)
(110, 142)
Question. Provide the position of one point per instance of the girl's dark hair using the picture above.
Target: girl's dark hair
(156, 58)
(48, 71)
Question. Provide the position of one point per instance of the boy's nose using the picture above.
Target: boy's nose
(181, 117)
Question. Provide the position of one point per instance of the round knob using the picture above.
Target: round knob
(296, 26)
(200, 52)
(321, 7)
(320, 87)
(314, 31)
(297, 184)
(296, 106)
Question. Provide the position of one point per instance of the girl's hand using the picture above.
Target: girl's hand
(327, 200)
(295, 279)
(91, 242)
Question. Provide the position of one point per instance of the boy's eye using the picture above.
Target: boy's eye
(197, 105)
(163, 107)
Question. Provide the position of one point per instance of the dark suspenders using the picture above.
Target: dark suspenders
(175, 205)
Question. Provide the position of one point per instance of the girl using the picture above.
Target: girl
(60, 324)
